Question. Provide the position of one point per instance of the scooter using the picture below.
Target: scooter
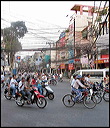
(36, 97)
(47, 91)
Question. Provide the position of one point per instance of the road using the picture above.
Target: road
(55, 114)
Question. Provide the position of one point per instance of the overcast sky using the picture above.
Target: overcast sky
(45, 20)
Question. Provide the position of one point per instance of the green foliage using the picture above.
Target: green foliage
(19, 28)
(98, 19)
(103, 12)
(84, 34)
(11, 36)
(67, 30)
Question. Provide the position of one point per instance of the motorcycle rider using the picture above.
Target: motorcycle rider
(8, 83)
(75, 87)
(73, 80)
(13, 84)
(87, 78)
(24, 89)
(2, 79)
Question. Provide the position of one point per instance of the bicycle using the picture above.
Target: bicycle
(88, 99)
(106, 94)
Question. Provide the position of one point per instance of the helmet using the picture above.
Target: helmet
(78, 76)
(10, 76)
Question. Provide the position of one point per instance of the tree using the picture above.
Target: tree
(11, 36)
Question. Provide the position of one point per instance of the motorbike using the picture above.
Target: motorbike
(60, 79)
(52, 81)
(98, 87)
(9, 96)
(47, 91)
(36, 97)
(98, 91)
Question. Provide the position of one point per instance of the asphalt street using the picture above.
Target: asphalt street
(55, 114)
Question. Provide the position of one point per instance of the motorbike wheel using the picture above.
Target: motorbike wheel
(54, 82)
(19, 101)
(68, 100)
(89, 101)
(51, 96)
(106, 96)
(41, 102)
(7, 96)
(98, 98)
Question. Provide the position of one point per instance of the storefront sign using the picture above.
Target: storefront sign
(105, 56)
(62, 66)
(101, 61)
(62, 41)
(77, 61)
(70, 67)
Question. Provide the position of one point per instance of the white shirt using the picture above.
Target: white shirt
(21, 86)
(87, 80)
(13, 82)
(44, 77)
(60, 75)
(2, 77)
(72, 82)
(77, 83)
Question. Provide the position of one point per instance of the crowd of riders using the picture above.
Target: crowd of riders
(24, 82)
(82, 83)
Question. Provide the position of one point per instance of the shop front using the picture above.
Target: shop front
(102, 63)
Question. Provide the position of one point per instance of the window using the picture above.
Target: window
(94, 74)
(107, 73)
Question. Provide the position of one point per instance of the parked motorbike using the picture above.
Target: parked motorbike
(36, 97)
(47, 91)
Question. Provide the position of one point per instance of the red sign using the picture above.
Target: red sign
(62, 42)
(104, 56)
(70, 67)
(62, 66)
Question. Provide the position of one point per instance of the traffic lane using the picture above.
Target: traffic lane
(55, 113)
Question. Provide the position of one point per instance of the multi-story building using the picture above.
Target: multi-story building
(76, 37)
(102, 43)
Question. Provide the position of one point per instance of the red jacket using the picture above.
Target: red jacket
(33, 82)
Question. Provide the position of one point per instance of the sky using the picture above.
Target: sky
(45, 20)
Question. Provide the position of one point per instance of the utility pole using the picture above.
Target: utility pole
(56, 57)
(74, 41)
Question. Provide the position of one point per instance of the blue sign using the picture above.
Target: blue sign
(71, 55)
(62, 35)
(47, 58)
(71, 61)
